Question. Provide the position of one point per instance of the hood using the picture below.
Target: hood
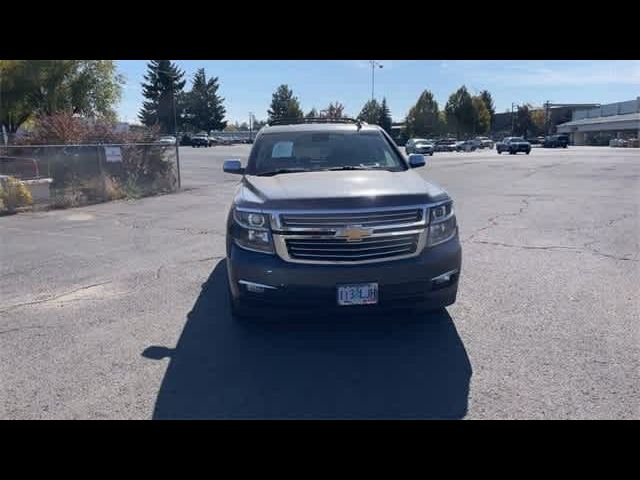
(339, 189)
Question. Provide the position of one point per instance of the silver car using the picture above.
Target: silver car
(419, 145)
(167, 140)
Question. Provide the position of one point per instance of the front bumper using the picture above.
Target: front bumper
(401, 283)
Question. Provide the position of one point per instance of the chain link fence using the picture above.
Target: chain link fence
(74, 175)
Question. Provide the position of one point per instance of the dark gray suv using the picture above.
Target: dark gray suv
(334, 216)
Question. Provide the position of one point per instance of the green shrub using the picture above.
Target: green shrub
(14, 194)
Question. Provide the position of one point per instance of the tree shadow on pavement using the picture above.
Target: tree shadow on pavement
(400, 367)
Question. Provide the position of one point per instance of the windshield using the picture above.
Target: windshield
(517, 139)
(307, 151)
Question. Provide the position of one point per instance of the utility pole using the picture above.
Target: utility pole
(250, 126)
(512, 119)
(374, 64)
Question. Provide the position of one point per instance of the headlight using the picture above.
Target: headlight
(441, 212)
(443, 225)
(258, 221)
(250, 230)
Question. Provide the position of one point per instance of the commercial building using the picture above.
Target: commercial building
(597, 126)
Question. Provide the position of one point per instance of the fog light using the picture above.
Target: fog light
(444, 279)
(256, 287)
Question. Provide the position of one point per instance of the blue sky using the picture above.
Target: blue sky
(247, 85)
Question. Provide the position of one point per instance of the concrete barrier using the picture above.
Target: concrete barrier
(39, 189)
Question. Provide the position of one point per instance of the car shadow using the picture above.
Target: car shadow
(316, 367)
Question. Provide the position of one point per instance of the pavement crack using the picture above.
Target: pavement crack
(50, 299)
(493, 221)
(528, 247)
(585, 248)
(28, 327)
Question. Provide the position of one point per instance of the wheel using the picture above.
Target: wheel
(528, 152)
(431, 154)
(511, 152)
(193, 146)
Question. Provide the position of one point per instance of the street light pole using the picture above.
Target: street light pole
(374, 64)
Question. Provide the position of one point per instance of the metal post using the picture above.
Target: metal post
(372, 78)
(178, 163)
(374, 64)
(175, 114)
(512, 120)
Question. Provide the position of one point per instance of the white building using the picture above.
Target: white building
(601, 124)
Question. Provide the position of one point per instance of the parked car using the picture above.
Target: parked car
(185, 139)
(418, 145)
(447, 145)
(556, 141)
(513, 145)
(467, 146)
(167, 140)
(306, 241)
(485, 142)
(200, 140)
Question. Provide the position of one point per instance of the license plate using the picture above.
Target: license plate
(358, 294)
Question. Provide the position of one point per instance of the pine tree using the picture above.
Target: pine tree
(312, 113)
(164, 83)
(384, 118)
(284, 105)
(204, 110)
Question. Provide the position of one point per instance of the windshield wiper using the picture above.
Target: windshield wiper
(350, 167)
(282, 170)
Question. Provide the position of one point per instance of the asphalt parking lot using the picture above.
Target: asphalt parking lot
(119, 310)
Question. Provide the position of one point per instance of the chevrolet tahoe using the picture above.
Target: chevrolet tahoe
(333, 216)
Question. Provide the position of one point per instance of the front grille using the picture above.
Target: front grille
(341, 220)
(341, 250)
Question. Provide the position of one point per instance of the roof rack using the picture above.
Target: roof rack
(292, 121)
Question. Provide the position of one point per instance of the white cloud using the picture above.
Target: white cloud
(565, 74)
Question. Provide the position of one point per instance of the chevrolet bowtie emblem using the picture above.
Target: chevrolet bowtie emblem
(354, 234)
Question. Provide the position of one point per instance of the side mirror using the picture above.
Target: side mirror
(416, 160)
(232, 166)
